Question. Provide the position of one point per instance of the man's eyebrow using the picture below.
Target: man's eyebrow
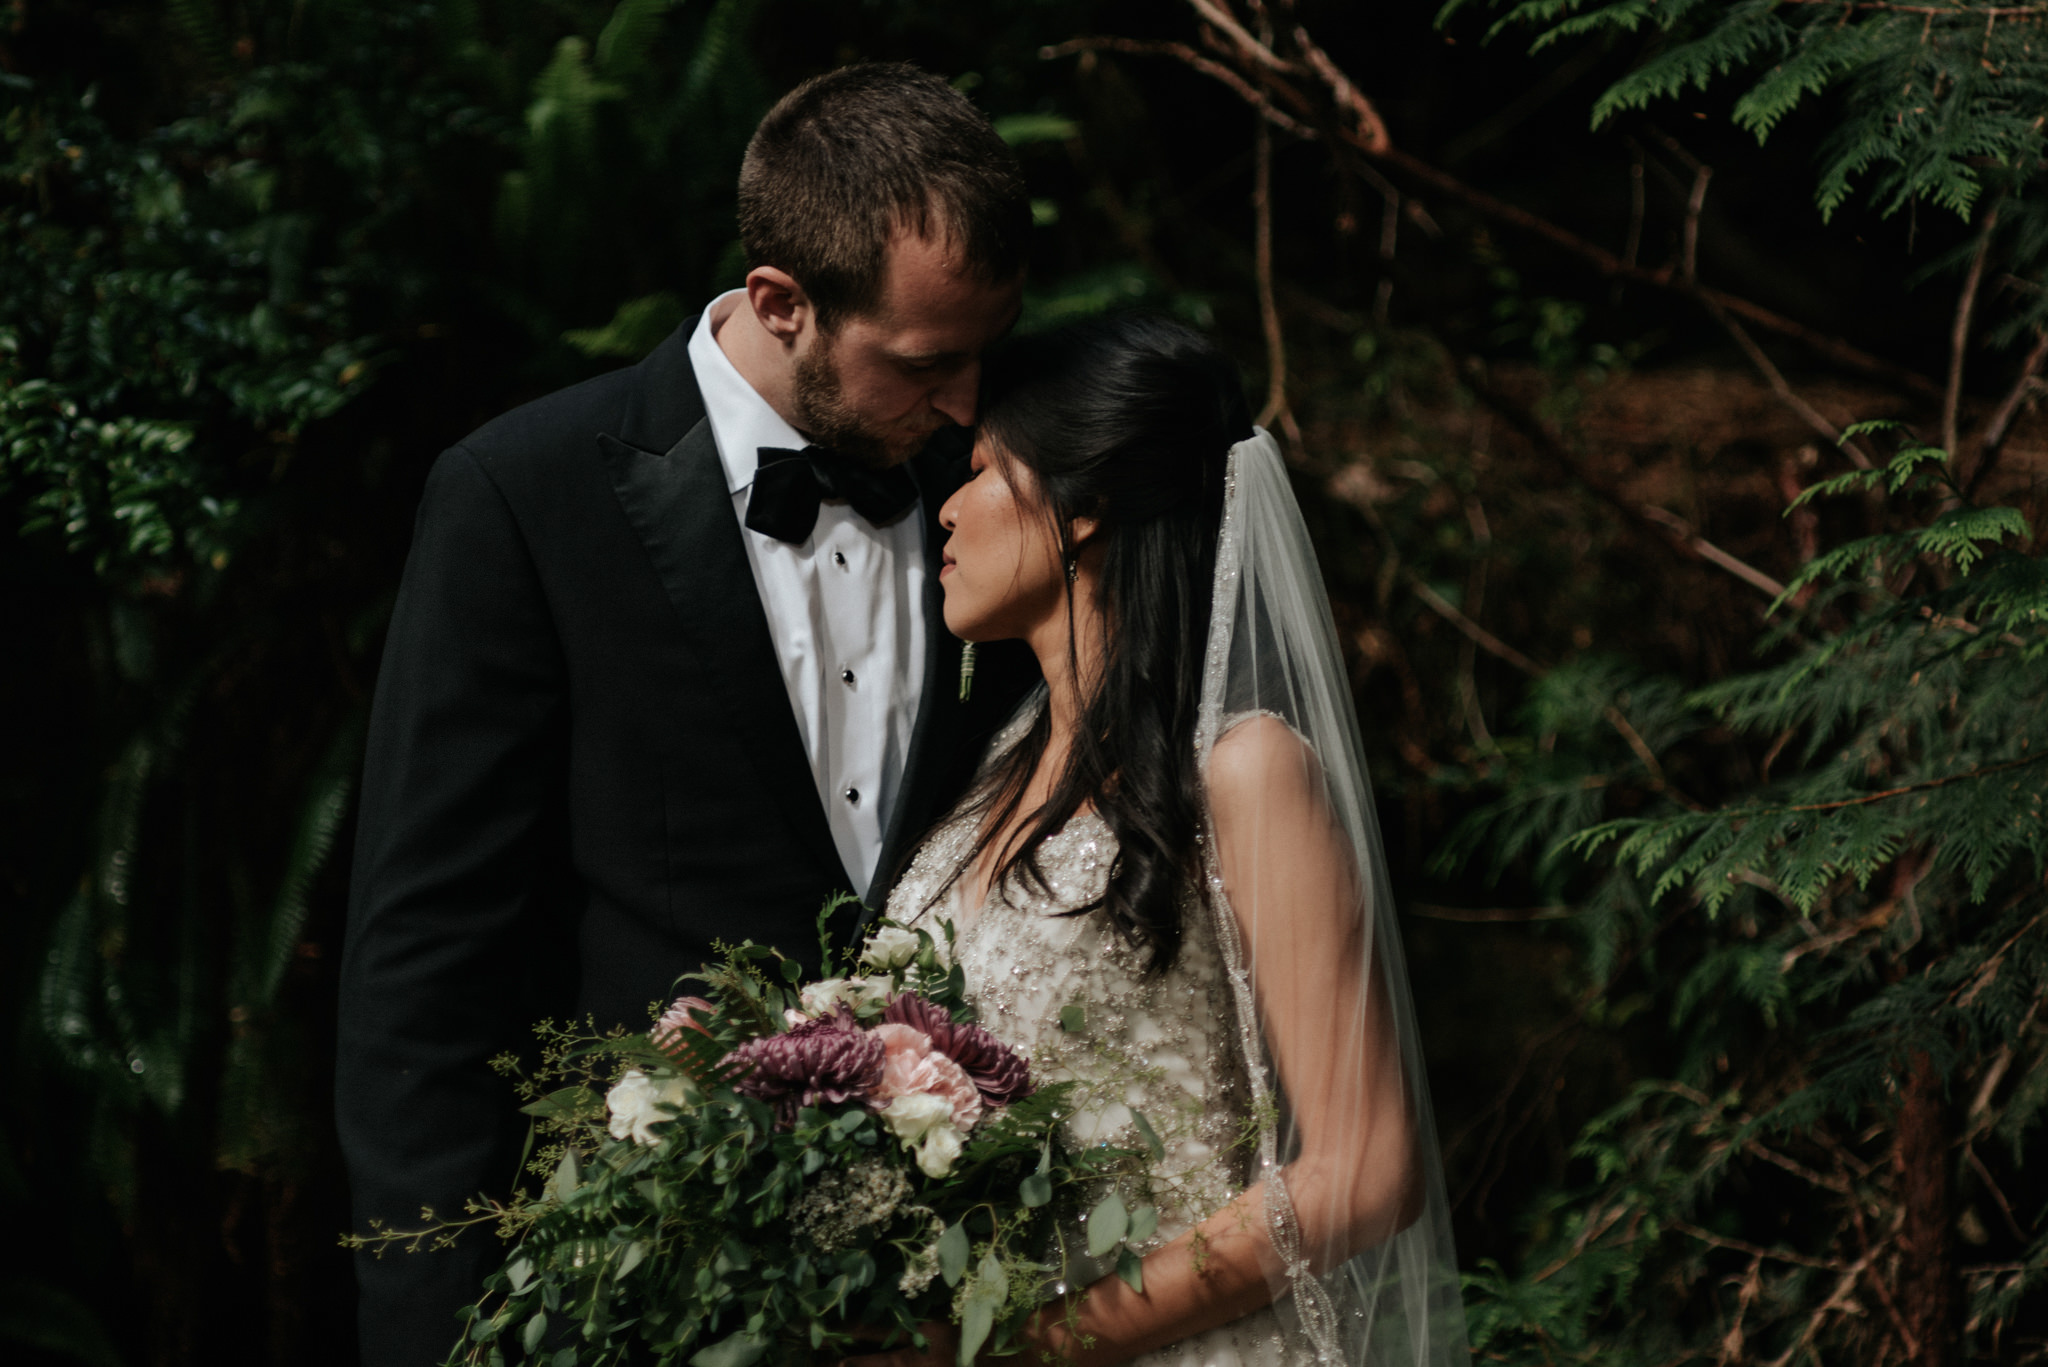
(928, 357)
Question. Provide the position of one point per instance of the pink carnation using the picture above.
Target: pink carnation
(911, 1066)
(997, 1069)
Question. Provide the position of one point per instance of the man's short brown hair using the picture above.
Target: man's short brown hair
(848, 158)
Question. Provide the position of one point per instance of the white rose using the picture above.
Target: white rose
(890, 948)
(923, 1123)
(638, 1103)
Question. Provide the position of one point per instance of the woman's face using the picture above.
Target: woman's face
(1002, 572)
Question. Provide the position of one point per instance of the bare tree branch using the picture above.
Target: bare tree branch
(1262, 267)
(1959, 335)
(1757, 1250)
(1776, 379)
(1672, 527)
(1695, 204)
(1272, 72)
(1479, 635)
(1991, 445)
(1181, 52)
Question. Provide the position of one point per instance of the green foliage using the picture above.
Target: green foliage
(1880, 901)
(1938, 101)
(180, 305)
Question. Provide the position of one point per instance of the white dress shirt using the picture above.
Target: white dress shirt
(844, 609)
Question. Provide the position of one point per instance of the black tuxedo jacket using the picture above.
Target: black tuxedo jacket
(582, 768)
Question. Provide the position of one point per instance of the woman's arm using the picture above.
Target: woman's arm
(1295, 889)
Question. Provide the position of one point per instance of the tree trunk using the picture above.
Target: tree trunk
(1927, 1280)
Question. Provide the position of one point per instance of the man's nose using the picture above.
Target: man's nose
(955, 398)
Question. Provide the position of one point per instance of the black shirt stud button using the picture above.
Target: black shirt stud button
(853, 796)
(846, 676)
(839, 559)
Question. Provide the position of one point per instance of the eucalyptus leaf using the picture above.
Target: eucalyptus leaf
(1153, 1145)
(636, 1251)
(520, 1273)
(1035, 1190)
(561, 1101)
(535, 1329)
(985, 1295)
(1131, 1268)
(737, 1350)
(1108, 1223)
(1144, 1222)
(1073, 1019)
(568, 1175)
(953, 1254)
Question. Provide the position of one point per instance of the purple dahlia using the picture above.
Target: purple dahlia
(998, 1073)
(824, 1061)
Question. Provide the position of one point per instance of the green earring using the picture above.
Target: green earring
(966, 671)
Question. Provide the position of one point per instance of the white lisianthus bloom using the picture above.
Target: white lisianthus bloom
(923, 1123)
(870, 995)
(638, 1103)
(890, 948)
(818, 998)
(862, 996)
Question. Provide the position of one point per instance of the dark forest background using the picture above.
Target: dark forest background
(1754, 1074)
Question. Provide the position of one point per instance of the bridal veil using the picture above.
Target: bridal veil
(1355, 1205)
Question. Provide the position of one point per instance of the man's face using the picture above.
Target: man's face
(878, 384)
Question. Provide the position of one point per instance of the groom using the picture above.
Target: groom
(667, 665)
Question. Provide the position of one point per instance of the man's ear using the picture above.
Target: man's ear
(780, 303)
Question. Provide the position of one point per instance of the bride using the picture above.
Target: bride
(1167, 882)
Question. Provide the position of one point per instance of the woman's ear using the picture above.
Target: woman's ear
(1082, 530)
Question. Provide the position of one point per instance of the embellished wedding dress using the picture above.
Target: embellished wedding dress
(1361, 1276)
(1164, 1046)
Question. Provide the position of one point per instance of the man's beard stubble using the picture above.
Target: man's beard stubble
(826, 418)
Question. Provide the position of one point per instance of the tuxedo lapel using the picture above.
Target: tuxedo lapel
(678, 503)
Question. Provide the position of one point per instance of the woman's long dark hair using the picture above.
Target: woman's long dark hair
(1127, 419)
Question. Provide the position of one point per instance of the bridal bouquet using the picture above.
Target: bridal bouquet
(781, 1169)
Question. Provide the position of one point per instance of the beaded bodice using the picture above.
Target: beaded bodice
(1074, 998)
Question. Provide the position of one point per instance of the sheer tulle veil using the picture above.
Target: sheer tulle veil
(1355, 1205)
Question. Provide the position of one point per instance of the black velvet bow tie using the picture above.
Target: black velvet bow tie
(789, 486)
